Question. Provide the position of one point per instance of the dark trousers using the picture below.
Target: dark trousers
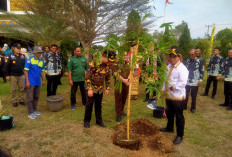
(120, 99)
(228, 92)
(175, 108)
(74, 91)
(52, 84)
(60, 76)
(193, 90)
(209, 81)
(32, 98)
(97, 100)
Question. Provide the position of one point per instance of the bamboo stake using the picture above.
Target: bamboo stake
(129, 99)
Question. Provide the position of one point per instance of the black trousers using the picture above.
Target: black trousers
(228, 92)
(74, 91)
(209, 81)
(97, 100)
(52, 84)
(193, 90)
(175, 108)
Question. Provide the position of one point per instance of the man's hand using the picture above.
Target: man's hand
(207, 76)
(59, 72)
(90, 93)
(43, 82)
(46, 73)
(222, 79)
(218, 78)
(8, 78)
(70, 82)
(28, 85)
(107, 92)
(199, 83)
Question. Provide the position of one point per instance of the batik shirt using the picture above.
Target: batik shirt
(227, 74)
(52, 64)
(96, 75)
(216, 65)
(196, 71)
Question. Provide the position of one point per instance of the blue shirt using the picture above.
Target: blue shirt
(34, 68)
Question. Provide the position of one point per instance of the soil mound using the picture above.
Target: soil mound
(146, 134)
(143, 127)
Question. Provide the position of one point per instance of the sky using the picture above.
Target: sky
(197, 13)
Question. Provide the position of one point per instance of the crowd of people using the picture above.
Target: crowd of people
(184, 79)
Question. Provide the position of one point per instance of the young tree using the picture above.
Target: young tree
(185, 42)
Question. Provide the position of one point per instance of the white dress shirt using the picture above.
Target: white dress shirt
(177, 79)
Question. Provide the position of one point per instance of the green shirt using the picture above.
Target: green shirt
(78, 66)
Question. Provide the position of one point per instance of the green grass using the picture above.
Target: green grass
(207, 132)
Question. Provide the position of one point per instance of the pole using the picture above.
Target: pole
(129, 100)
(165, 11)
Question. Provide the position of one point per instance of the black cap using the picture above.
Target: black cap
(17, 45)
(111, 54)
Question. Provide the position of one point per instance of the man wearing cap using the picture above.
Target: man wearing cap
(196, 74)
(14, 70)
(34, 70)
(214, 71)
(52, 64)
(174, 91)
(76, 73)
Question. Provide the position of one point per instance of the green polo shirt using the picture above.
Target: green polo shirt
(78, 66)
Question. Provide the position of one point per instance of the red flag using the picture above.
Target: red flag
(168, 1)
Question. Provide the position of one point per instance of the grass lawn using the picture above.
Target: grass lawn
(208, 132)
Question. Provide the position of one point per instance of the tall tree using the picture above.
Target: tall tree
(133, 26)
(168, 38)
(90, 19)
(185, 42)
(224, 37)
(179, 29)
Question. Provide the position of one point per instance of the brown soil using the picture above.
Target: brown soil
(151, 140)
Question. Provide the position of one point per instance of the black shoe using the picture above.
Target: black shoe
(213, 97)
(15, 104)
(118, 119)
(101, 124)
(124, 114)
(5, 81)
(22, 103)
(229, 108)
(86, 125)
(204, 94)
(224, 105)
(145, 100)
(166, 130)
(193, 110)
(178, 140)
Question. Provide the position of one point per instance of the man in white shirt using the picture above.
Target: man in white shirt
(174, 90)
